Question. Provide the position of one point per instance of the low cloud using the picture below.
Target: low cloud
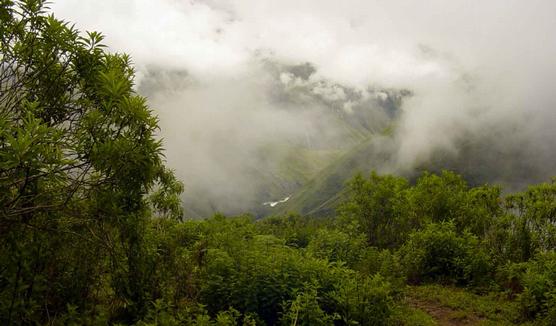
(231, 79)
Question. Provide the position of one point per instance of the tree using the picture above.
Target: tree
(79, 163)
(379, 206)
(447, 196)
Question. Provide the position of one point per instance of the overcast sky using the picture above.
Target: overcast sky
(471, 65)
(353, 41)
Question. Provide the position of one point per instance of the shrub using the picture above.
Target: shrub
(337, 246)
(296, 230)
(363, 301)
(379, 206)
(265, 276)
(447, 197)
(306, 309)
(438, 253)
(384, 262)
(531, 225)
(539, 287)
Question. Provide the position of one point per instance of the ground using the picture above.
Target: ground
(439, 305)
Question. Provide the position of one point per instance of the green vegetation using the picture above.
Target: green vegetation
(458, 304)
(323, 193)
(91, 228)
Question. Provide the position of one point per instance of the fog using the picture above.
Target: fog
(239, 85)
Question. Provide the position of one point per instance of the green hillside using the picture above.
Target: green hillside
(321, 195)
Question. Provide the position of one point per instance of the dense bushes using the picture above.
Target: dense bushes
(246, 270)
(450, 233)
(263, 276)
(388, 209)
(379, 205)
(362, 300)
(438, 254)
(533, 284)
(337, 246)
(332, 275)
(306, 309)
(238, 274)
(284, 270)
(296, 230)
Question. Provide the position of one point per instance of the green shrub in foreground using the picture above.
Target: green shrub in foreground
(438, 254)
(279, 284)
(337, 246)
(538, 281)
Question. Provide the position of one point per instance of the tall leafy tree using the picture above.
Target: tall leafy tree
(81, 168)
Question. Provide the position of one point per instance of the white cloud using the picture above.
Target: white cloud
(469, 64)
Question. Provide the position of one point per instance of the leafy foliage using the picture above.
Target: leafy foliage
(378, 205)
(91, 230)
(337, 246)
(78, 157)
(437, 253)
